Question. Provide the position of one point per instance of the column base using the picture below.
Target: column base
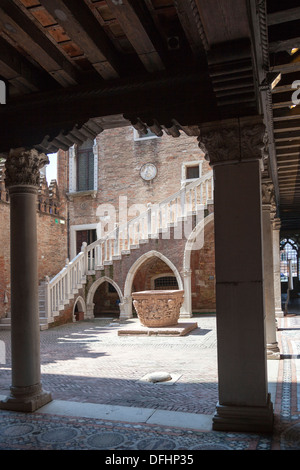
(244, 419)
(185, 315)
(279, 312)
(273, 351)
(27, 399)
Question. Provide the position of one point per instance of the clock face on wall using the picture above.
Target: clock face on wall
(148, 171)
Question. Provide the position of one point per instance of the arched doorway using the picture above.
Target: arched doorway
(199, 268)
(104, 299)
(79, 309)
(145, 273)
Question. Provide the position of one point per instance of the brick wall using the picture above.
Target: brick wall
(203, 278)
(120, 161)
(52, 244)
(52, 239)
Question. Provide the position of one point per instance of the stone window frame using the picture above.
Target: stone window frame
(184, 166)
(73, 171)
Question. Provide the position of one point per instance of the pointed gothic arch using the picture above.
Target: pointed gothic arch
(92, 291)
(126, 310)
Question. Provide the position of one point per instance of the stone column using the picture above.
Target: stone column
(267, 219)
(234, 149)
(276, 261)
(186, 309)
(22, 180)
(126, 308)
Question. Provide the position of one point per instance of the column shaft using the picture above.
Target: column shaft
(24, 288)
(276, 260)
(234, 149)
(239, 285)
(22, 177)
(272, 344)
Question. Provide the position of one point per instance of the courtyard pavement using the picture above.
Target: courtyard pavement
(101, 400)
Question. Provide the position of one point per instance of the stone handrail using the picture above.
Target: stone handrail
(150, 223)
(157, 218)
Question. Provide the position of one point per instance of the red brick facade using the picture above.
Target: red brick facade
(51, 234)
(120, 158)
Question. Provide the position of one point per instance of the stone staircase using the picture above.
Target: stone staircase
(56, 293)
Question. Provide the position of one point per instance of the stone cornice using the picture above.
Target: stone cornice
(23, 167)
(276, 223)
(232, 141)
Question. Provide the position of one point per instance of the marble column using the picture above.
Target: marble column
(186, 309)
(276, 261)
(22, 180)
(267, 219)
(234, 150)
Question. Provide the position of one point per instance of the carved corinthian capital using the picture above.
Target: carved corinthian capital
(232, 141)
(22, 167)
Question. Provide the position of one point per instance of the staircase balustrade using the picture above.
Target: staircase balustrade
(156, 219)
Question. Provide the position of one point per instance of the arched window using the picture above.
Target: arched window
(289, 250)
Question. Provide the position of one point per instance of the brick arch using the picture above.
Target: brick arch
(126, 309)
(79, 301)
(92, 290)
(196, 240)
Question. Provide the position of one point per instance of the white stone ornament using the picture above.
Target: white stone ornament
(148, 171)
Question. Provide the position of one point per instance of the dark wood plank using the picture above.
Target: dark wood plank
(225, 20)
(290, 135)
(21, 73)
(184, 97)
(83, 28)
(15, 24)
(141, 33)
(190, 20)
(283, 16)
(291, 125)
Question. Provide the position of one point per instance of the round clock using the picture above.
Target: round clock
(148, 171)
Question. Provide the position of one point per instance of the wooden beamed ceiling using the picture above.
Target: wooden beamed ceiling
(76, 67)
(283, 20)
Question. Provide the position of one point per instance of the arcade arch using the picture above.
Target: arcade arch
(168, 268)
(115, 294)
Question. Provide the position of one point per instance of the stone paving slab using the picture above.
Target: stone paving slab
(89, 364)
(181, 329)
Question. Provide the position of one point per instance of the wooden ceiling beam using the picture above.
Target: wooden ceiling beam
(141, 33)
(287, 157)
(286, 45)
(291, 135)
(183, 97)
(16, 25)
(285, 63)
(21, 73)
(83, 28)
(191, 23)
(287, 172)
(283, 16)
(291, 125)
(286, 168)
(284, 114)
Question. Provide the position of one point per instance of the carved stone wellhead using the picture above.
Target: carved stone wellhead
(156, 308)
